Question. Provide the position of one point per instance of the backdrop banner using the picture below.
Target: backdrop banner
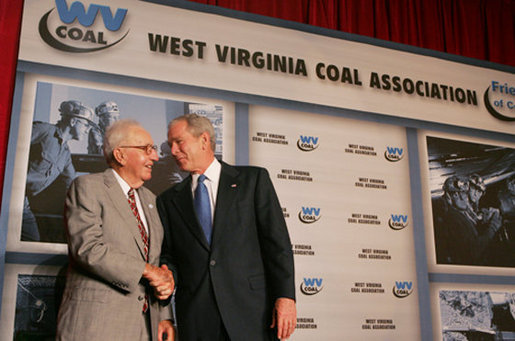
(337, 124)
(158, 42)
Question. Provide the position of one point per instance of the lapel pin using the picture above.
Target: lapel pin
(233, 185)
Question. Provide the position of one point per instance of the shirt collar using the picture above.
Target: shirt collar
(125, 186)
(212, 172)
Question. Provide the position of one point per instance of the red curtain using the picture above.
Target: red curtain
(10, 21)
(481, 29)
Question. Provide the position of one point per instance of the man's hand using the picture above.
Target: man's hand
(284, 317)
(165, 328)
(161, 279)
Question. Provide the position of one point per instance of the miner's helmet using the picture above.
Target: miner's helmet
(75, 108)
(456, 183)
(108, 107)
(477, 181)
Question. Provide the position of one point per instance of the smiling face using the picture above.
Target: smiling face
(192, 153)
(135, 165)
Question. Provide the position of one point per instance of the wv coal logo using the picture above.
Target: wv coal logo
(77, 29)
(394, 154)
(311, 286)
(402, 289)
(398, 221)
(307, 143)
(309, 215)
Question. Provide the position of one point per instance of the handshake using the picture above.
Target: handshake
(160, 279)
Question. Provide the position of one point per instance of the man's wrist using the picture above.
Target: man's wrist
(148, 269)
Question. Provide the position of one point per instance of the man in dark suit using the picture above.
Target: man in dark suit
(235, 280)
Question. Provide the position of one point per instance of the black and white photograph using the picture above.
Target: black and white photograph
(34, 293)
(37, 303)
(66, 140)
(472, 189)
(477, 315)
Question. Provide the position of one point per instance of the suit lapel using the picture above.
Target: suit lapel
(227, 189)
(119, 200)
(183, 201)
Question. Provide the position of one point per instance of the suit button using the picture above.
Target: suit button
(212, 262)
(141, 298)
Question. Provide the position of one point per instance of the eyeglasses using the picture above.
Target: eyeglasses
(149, 148)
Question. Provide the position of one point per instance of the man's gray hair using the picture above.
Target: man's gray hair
(197, 125)
(117, 134)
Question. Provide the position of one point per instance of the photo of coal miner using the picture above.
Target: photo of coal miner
(50, 162)
(67, 134)
(473, 202)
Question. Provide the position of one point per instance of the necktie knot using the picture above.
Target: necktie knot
(201, 178)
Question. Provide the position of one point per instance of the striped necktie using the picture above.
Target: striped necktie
(143, 233)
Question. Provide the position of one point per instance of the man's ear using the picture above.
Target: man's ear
(205, 140)
(120, 156)
(73, 121)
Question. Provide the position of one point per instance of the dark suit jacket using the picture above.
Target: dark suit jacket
(249, 264)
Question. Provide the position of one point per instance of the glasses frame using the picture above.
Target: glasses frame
(148, 149)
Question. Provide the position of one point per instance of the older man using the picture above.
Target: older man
(227, 241)
(113, 285)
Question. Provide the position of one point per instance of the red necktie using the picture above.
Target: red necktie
(142, 231)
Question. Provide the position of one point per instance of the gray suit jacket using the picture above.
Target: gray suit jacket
(104, 293)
